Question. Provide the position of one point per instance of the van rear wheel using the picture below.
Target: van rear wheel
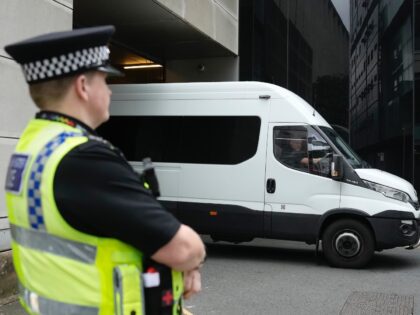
(348, 243)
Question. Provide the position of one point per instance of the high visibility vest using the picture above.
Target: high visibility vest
(60, 269)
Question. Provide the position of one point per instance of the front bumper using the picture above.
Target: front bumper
(395, 232)
(414, 246)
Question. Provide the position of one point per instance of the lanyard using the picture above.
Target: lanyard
(88, 132)
(57, 117)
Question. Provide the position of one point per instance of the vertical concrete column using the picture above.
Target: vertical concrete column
(19, 19)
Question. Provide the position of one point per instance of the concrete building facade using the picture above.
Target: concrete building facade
(19, 19)
(192, 40)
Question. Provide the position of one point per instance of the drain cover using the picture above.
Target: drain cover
(376, 303)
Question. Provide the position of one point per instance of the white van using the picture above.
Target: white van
(239, 160)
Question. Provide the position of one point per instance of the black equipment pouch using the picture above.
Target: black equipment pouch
(148, 177)
(159, 292)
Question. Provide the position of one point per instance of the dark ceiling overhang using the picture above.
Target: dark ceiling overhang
(148, 29)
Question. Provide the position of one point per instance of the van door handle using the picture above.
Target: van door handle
(271, 185)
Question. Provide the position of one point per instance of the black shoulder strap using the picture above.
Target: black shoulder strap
(107, 143)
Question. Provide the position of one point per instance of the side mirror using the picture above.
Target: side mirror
(337, 169)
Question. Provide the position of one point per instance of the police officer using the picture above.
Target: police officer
(85, 232)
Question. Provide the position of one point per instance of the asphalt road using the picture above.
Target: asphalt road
(277, 277)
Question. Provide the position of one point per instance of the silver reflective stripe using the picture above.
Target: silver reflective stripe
(44, 306)
(45, 242)
(118, 292)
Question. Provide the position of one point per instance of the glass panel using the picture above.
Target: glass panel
(417, 136)
(388, 9)
(417, 26)
(345, 150)
(291, 146)
(206, 140)
(219, 140)
(302, 148)
(299, 45)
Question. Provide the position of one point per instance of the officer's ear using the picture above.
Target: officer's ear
(81, 87)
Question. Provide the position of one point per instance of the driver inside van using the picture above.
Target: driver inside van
(295, 154)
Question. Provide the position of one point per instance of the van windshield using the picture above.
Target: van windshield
(354, 160)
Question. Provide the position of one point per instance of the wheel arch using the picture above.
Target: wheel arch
(337, 214)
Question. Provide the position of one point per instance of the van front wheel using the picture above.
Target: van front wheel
(348, 243)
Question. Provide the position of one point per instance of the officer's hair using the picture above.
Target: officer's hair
(51, 92)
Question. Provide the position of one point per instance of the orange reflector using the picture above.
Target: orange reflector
(213, 213)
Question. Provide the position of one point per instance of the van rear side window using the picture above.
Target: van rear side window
(185, 139)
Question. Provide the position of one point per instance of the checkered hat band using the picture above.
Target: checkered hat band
(65, 63)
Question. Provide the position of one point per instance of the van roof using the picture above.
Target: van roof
(215, 91)
(247, 89)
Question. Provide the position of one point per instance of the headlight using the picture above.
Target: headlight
(388, 191)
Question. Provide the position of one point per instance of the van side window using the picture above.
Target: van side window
(302, 148)
(290, 146)
(185, 139)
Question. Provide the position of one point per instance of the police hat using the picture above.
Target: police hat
(59, 54)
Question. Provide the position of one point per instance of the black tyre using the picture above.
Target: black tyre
(348, 243)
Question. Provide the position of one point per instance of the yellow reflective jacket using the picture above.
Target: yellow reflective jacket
(60, 269)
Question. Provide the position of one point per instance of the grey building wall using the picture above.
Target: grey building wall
(20, 19)
(218, 19)
(203, 70)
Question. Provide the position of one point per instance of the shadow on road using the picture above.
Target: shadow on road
(388, 261)
(383, 261)
(244, 252)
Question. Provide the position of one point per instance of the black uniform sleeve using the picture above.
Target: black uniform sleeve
(97, 192)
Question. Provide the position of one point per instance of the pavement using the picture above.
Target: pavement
(276, 277)
(12, 308)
